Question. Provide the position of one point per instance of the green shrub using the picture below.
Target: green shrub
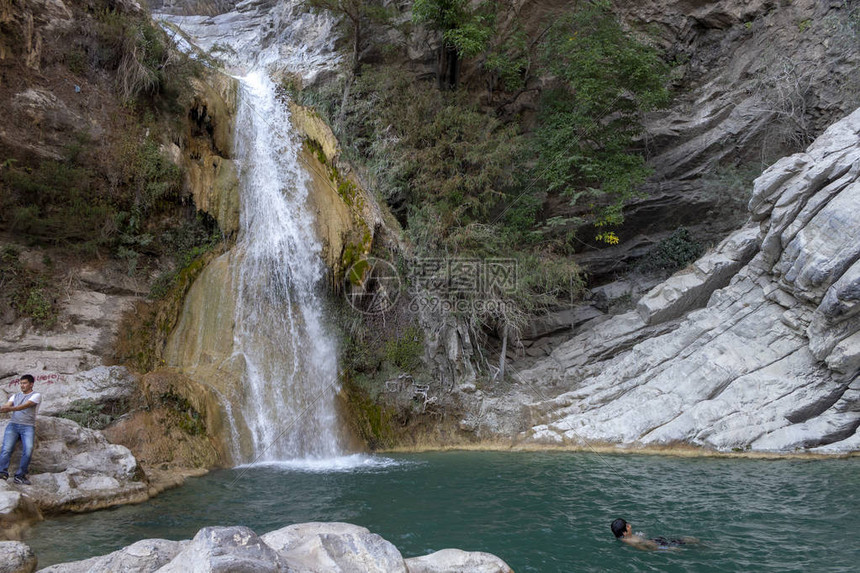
(430, 147)
(672, 253)
(95, 415)
(64, 201)
(76, 61)
(407, 351)
(186, 244)
(31, 293)
(136, 49)
(39, 305)
(189, 420)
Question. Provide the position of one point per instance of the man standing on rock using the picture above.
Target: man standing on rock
(24, 405)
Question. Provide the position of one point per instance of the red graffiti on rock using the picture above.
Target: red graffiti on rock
(43, 378)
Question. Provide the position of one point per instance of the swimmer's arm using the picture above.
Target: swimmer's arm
(641, 543)
(690, 540)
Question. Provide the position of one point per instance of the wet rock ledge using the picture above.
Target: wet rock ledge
(299, 548)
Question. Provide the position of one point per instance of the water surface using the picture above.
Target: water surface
(542, 512)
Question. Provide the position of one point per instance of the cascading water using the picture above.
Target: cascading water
(290, 359)
(290, 363)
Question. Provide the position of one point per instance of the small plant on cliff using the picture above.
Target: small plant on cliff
(189, 419)
(137, 49)
(95, 415)
(672, 253)
(29, 292)
(406, 351)
(186, 244)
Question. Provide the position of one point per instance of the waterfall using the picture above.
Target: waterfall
(289, 359)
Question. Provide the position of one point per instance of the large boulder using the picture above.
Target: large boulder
(141, 557)
(226, 550)
(16, 557)
(98, 385)
(691, 287)
(77, 469)
(334, 548)
(17, 512)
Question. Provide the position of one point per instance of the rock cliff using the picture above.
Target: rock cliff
(754, 80)
(769, 364)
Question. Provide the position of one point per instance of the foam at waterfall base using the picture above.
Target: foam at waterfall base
(338, 464)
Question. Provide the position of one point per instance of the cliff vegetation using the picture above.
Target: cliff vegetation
(94, 92)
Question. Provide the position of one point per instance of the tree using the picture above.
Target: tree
(465, 32)
(604, 80)
(356, 14)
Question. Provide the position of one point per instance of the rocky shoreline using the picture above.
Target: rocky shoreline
(299, 548)
(677, 450)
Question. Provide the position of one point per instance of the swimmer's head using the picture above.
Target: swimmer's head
(619, 527)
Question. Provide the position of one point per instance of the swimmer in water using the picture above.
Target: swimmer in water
(624, 531)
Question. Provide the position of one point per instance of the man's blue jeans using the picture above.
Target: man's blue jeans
(27, 435)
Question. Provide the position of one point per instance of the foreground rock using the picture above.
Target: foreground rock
(448, 560)
(146, 555)
(335, 547)
(300, 548)
(17, 512)
(770, 363)
(16, 557)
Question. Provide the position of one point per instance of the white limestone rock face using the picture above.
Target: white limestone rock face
(692, 287)
(70, 355)
(334, 548)
(60, 391)
(142, 557)
(771, 361)
(457, 561)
